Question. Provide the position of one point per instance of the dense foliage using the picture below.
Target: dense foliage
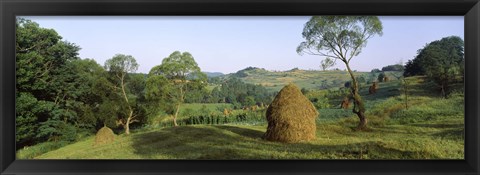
(442, 61)
(396, 67)
(240, 94)
(62, 98)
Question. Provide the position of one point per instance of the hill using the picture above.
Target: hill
(213, 74)
(431, 128)
(308, 79)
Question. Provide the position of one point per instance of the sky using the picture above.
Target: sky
(230, 43)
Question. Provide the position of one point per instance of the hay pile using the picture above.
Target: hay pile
(385, 79)
(104, 136)
(291, 117)
(345, 103)
(373, 88)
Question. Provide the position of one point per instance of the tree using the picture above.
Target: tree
(381, 77)
(45, 101)
(375, 71)
(413, 68)
(119, 66)
(171, 80)
(326, 63)
(342, 38)
(442, 61)
(396, 67)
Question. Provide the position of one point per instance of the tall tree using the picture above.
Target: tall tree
(442, 61)
(42, 61)
(119, 67)
(342, 38)
(170, 81)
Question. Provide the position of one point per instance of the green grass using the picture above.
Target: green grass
(244, 142)
(431, 128)
(274, 81)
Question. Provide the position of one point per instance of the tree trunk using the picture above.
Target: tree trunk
(175, 116)
(127, 124)
(363, 121)
(359, 107)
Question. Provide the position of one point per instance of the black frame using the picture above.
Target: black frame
(9, 9)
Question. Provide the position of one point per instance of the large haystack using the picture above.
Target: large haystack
(291, 117)
(104, 136)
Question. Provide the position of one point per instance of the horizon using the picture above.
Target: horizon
(267, 42)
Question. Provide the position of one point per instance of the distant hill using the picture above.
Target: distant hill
(309, 79)
(214, 74)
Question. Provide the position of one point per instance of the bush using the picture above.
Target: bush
(30, 152)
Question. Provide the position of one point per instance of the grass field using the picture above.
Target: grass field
(431, 128)
(309, 79)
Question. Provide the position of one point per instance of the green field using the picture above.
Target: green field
(309, 79)
(431, 128)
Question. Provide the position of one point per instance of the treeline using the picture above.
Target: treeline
(60, 97)
(231, 90)
(63, 98)
(442, 61)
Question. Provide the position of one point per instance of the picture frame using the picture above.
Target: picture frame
(470, 9)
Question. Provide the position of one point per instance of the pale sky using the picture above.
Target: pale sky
(227, 44)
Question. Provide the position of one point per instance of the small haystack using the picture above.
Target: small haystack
(345, 103)
(104, 136)
(291, 117)
(373, 88)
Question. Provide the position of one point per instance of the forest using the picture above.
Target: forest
(399, 111)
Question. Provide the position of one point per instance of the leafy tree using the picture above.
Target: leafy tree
(396, 67)
(342, 38)
(413, 68)
(42, 66)
(442, 61)
(119, 66)
(171, 80)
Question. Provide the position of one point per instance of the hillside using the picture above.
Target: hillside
(431, 128)
(308, 79)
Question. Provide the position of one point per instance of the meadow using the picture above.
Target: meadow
(430, 128)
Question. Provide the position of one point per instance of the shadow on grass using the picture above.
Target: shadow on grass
(242, 131)
(456, 134)
(230, 142)
(441, 125)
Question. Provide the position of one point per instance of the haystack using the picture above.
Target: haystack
(291, 117)
(373, 88)
(104, 136)
(345, 103)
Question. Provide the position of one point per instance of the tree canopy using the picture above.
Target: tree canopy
(342, 38)
(442, 61)
(171, 80)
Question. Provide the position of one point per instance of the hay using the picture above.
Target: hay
(104, 136)
(291, 117)
(373, 88)
(345, 103)
(385, 79)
